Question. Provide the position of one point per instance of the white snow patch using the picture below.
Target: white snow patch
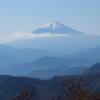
(54, 25)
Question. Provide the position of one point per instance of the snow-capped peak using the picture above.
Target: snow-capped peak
(53, 25)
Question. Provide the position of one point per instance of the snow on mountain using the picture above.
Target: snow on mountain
(55, 27)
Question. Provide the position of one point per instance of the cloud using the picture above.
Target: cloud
(22, 35)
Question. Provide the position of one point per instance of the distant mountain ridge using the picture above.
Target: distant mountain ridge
(92, 54)
(49, 73)
(44, 63)
(55, 27)
(25, 55)
(93, 69)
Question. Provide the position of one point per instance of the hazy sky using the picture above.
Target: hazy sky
(28, 15)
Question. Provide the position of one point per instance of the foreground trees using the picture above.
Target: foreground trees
(74, 90)
(71, 90)
(26, 94)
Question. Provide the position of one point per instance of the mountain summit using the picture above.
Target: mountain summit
(55, 27)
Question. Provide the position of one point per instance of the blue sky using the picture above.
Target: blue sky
(27, 15)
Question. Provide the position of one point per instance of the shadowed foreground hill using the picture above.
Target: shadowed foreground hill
(10, 86)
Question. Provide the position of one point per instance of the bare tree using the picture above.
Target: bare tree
(26, 94)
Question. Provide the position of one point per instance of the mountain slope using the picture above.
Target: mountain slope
(93, 69)
(92, 55)
(56, 28)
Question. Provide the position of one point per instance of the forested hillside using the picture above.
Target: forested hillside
(10, 86)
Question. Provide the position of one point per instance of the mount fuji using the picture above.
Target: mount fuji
(61, 39)
(55, 27)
